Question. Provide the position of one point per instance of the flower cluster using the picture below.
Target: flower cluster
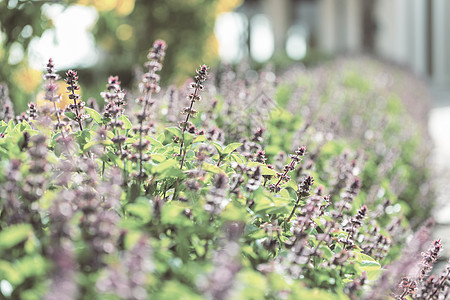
(218, 284)
(6, 112)
(77, 106)
(192, 97)
(353, 225)
(216, 200)
(115, 100)
(148, 86)
(410, 286)
(50, 89)
(128, 278)
(283, 177)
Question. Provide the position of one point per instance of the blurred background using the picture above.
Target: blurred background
(103, 37)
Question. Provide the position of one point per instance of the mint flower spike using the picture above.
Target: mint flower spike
(77, 106)
(429, 258)
(202, 75)
(149, 85)
(51, 88)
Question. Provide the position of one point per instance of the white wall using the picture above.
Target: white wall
(441, 46)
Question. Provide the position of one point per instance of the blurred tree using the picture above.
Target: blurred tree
(126, 30)
(20, 22)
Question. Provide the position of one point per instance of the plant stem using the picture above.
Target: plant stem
(293, 210)
(183, 151)
(58, 119)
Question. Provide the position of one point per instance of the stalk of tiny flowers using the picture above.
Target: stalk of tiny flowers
(355, 223)
(287, 168)
(429, 258)
(114, 97)
(443, 279)
(197, 86)
(72, 86)
(148, 86)
(348, 197)
(50, 88)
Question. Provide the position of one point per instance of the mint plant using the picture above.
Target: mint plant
(127, 204)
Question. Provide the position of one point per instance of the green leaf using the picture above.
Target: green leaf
(291, 184)
(126, 122)
(231, 147)
(200, 138)
(174, 130)
(89, 145)
(135, 191)
(161, 137)
(234, 212)
(188, 138)
(369, 265)
(211, 168)
(70, 115)
(327, 253)
(94, 115)
(10, 273)
(154, 142)
(218, 147)
(140, 209)
(13, 235)
(166, 165)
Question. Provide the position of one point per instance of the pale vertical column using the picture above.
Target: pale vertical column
(354, 25)
(446, 50)
(385, 40)
(418, 23)
(340, 25)
(279, 15)
(326, 26)
(439, 42)
(401, 31)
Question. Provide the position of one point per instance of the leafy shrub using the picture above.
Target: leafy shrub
(124, 204)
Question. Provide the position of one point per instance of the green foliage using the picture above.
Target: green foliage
(78, 217)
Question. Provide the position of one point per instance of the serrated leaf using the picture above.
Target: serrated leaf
(94, 115)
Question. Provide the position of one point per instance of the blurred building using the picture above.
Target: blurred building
(413, 33)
